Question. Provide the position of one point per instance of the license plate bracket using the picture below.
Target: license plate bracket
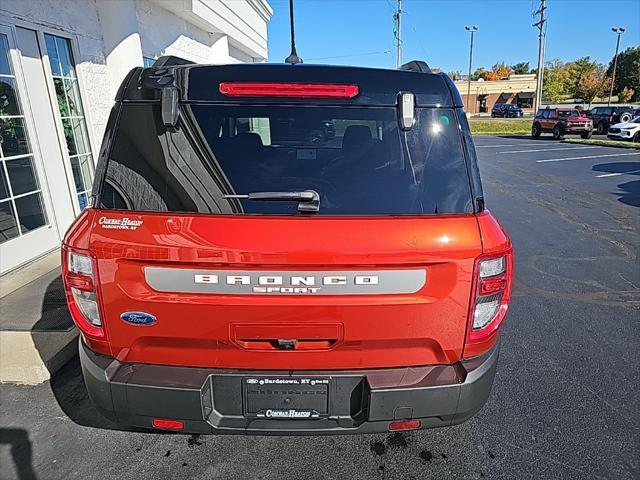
(286, 398)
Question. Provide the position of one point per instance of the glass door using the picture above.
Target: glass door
(71, 115)
(25, 213)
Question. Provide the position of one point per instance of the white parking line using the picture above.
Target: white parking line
(549, 149)
(508, 145)
(616, 174)
(590, 156)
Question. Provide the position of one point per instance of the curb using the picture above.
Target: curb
(23, 363)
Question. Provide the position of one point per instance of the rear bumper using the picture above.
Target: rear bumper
(360, 401)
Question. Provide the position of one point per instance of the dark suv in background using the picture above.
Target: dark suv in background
(560, 121)
(603, 117)
(506, 110)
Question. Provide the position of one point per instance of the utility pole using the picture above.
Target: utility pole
(618, 31)
(541, 24)
(472, 29)
(398, 34)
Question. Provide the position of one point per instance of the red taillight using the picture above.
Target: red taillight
(80, 278)
(493, 281)
(404, 425)
(299, 90)
(167, 424)
(81, 282)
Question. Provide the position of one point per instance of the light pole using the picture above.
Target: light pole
(618, 31)
(473, 29)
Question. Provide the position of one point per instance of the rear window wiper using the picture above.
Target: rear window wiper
(308, 200)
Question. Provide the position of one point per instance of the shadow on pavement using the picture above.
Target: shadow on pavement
(66, 381)
(632, 193)
(631, 190)
(21, 451)
(71, 394)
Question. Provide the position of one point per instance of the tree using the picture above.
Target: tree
(499, 71)
(520, 68)
(454, 75)
(625, 95)
(593, 84)
(627, 72)
(479, 73)
(557, 80)
(575, 71)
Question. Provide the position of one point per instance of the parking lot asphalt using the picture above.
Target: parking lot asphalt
(565, 402)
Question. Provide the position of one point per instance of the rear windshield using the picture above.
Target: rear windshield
(357, 160)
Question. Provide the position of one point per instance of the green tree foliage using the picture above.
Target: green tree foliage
(582, 78)
(627, 72)
(558, 82)
(479, 73)
(625, 95)
(520, 68)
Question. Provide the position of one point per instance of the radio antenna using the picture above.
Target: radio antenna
(293, 58)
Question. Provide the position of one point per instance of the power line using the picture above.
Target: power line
(351, 55)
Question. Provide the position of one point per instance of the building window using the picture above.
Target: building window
(74, 125)
(21, 206)
(148, 62)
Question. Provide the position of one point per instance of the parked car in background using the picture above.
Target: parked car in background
(506, 110)
(560, 121)
(625, 130)
(603, 117)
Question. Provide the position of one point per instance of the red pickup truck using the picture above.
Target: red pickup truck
(233, 276)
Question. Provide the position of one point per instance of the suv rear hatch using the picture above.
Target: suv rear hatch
(203, 225)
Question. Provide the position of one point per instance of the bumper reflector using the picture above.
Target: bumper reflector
(167, 424)
(404, 425)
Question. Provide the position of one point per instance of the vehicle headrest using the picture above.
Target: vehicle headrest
(357, 138)
(249, 141)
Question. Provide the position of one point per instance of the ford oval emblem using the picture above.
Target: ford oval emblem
(138, 318)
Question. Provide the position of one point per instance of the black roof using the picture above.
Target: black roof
(200, 83)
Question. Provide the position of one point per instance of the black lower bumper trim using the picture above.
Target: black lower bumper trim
(360, 401)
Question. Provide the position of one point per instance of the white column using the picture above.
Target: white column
(122, 48)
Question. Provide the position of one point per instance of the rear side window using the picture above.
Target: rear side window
(356, 159)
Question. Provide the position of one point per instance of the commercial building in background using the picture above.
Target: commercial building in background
(61, 62)
(517, 89)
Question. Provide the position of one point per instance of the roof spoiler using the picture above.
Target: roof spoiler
(416, 66)
(170, 60)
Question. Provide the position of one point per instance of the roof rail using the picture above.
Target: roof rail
(416, 66)
(170, 60)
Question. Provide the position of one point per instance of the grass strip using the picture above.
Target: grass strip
(603, 142)
(500, 127)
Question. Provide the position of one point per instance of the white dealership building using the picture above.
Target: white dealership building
(61, 62)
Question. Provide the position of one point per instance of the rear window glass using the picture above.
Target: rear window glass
(356, 159)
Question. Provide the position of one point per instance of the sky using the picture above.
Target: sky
(360, 32)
